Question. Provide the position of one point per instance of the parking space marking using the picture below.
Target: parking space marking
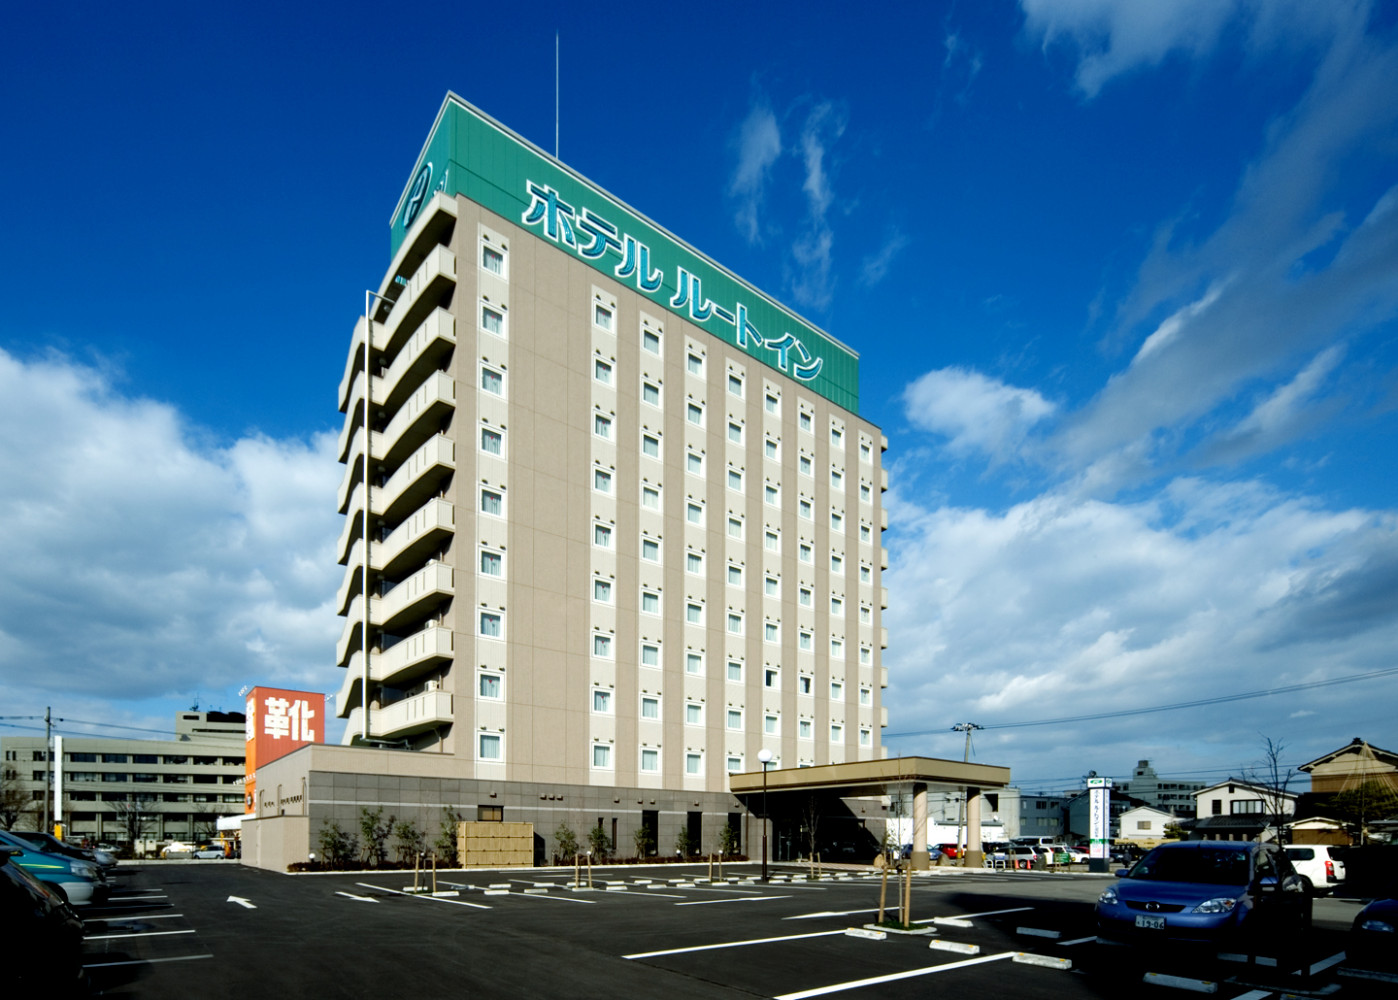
(730, 944)
(840, 913)
(418, 895)
(740, 899)
(110, 937)
(159, 895)
(549, 895)
(894, 977)
(1254, 995)
(1081, 940)
(144, 961)
(987, 913)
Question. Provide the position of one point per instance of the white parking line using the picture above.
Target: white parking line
(121, 920)
(109, 937)
(730, 944)
(144, 961)
(1081, 940)
(821, 991)
(987, 913)
(123, 899)
(740, 899)
(840, 913)
(418, 895)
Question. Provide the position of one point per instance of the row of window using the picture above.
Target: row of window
(604, 648)
(83, 757)
(490, 747)
(491, 686)
(603, 535)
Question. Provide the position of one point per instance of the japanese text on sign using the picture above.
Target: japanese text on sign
(288, 719)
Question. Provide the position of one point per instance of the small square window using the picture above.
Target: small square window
(735, 718)
(773, 402)
(866, 695)
(735, 576)
(837, 521)
(735, 527)
(601, 480)
(492, 441)
(804, 553)
(771, 677)
(735, 671)
(772, 495)
(694, 613)
(602, 536)
(491, 686)
(865, 535)
(805, 640)
(694, 512)
(803, 729)
(735, 623)
(602, 317)
(492, 625)
(492, 502)
(601, 756)
(837, 564)
(694, 663)
(803, 420)
(805, 684)
(650, 602)
(491, 563)
(735, 432)
(694, 763)
(492, 381)
(650, 550)
(650, 760)
(735, 480)
(770, 632)
(804, 465)
(650, 445)
(492, 321)
(694, 563)
(602, 646)
(770, 449)
(805, 597)
(602, 426)
(489, 747)
(602, 590)
(650, 708)
(650, 393)
(650, 654)
(866, 737)
(650, 497)
(492, 260)
(866, 655)
(866, 574)
(771, 724)
(693, 714)
(837, 437)
(837, 606)
(602, 371)
(864, 494)
(806, 509)
(601, 701)
(771, 586)
(837, 649)
(837, 691)
(865, 452)
(735, 384)
(650, 341)
(837, 733)
(694, 364)
(866, 614)
(694, 413)
(771, 541)
(694, 465)
(837, 479)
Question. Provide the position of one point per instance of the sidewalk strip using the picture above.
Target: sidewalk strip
(821, 991)
(730, 944)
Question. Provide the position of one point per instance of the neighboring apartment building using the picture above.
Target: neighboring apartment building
(1171, 796)
(1042, 815)
(624, 523)
(117, 791)
(1239, 810)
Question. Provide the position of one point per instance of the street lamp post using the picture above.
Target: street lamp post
(765, 756)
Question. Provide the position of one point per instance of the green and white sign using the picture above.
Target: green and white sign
(470, 154)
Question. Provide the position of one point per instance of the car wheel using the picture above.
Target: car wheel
(1306, 883)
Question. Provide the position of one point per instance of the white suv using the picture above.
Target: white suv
(1316, 866)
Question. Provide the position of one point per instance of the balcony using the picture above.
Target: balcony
(415, 539)
(411, 715)
(413, 598)
(419, 418)
(433, 279)
(410, 658)
(418, 479)
(425, 351)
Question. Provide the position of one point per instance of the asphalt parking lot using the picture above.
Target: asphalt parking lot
(216, 929)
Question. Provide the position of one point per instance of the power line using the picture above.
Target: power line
(1220, 700)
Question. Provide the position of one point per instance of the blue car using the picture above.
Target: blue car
(78, 882)
(1205, 892)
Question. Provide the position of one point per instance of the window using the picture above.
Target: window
(491, 687)
(650, 393)
(770, 449)
(601, 755)
(492, 441)
(650, 654)
(771, 724)
(866, 736)
(735, 575)
(735, 479)
(866, 614)
(1245, 807)
(735, 384)
(602, 536)
(693, 714)
(805, 598)
(771, 540)
(837, 691)
(488, 747)
(492, 260)
(805, 640)
(602, 590)
(601, 480)
(837, 733)
(866, 453)
(492, 381)
(492, 321)
(694, 364)
(837, 437)
(837, 563)
(771, 677)
(650, 550)
(866, 655)
(602, 426)
(650, 496)
(805, 509)
(803, 420)
(837, 521)
(772, 494)
(650, 341)
(650, 602)
(772, 402)
(650, 445)
(771, 586)
(837, 649)
(771, 632)
(694, 512)
(735, 527)
(602, 645)
(836, 479)
(694, 763)
(694, 465)
(694, 663)
(804, 465)
(694, 563)
(805, 684)
(837, 606)
(650, 760)
(864, 493)
(602, 371)
(491, 563)
(735, 432)
(492, 625)
(803, 729)
(866, 573)
(694, 413)
(694, 613)
(866, 695)
(650, 707)
(804, 553)
(601, 701)
(735, 718)
(865, 535)
(735, 623)
(602, 317)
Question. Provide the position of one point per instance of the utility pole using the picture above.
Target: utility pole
(967, 728)
(48, 766)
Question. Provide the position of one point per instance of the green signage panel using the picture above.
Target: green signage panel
(470, 154)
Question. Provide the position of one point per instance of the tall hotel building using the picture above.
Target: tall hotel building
(623, 518)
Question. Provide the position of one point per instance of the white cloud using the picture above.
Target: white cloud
(975, 413)
(812, 251)
(146, 562)
(759, 144)
(876, 265)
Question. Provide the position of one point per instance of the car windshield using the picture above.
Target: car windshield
(1212, 867)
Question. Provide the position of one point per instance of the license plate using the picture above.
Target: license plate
(1151, 923)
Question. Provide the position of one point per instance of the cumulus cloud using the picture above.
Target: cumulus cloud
(144, 560)
(759, 144)
(975, 413)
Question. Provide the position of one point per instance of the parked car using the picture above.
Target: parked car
(1204, 891)
(1023, 855)
(1373, 939)
(48, 842)
(177, 849)
(207, 851)
(952, 851)
(1316, 865)
(43, 936)
(996, 852)
(78, 882)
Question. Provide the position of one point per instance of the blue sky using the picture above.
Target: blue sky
(1123, 277)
